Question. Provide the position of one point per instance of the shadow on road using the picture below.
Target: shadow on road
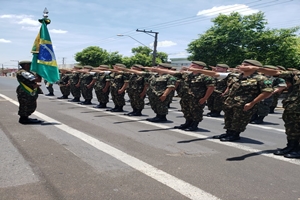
(243, 157)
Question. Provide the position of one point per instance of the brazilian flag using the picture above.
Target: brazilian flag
(43, 61)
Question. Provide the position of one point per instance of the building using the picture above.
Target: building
(180, 62)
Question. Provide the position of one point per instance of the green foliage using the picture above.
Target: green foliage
(234, 38)
(93, 56)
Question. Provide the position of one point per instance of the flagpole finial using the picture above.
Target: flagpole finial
(45, 17)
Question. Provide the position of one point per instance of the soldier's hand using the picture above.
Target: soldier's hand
(202, 101)
(162, 98)
(248, 106)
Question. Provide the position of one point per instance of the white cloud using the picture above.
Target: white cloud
(57, 31)
(243, 9)
(31, 28)
(182, 54)
(29, 21)
(4, 41)
(165, 44)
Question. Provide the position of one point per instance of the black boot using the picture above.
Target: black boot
(185, 125)
(27, 120)
(258, 120)
(83, 102)
(295, 153)
(253, 118)
(233, 136)
(228, 132)
(272, 109)
(117, 109)
(291, 146)
(215, 113)
(130, 113)
(193, 126)
(50, 94)
(87, 102)
(153, 119)
(137, 113)
(63, 97)
(100, 105)
(76, 99)
(159, 118)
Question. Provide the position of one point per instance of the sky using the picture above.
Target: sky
(78, 24)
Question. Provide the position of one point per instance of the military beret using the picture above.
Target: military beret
(292, 69)
(24, 62)
(200, 63)
(78, 67)
(165, 65)
(138, 66)
(281, 67)
(269, 66)
(222, 65)
(104, 66)
(120, 65)
(88, 67)
(253, 62)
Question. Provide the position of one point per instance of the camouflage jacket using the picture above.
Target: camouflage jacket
(101, 79)
(159, 83)
(118, 79)
(74, 77)
(27, 83)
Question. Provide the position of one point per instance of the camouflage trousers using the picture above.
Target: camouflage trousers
(275, 100)
(215, 102)
(27, 103)
(191, 108)
(75, 91)
(159, 107)
(102, 97)
(87, 93)
(263, 107)
(292, 125)
(136, 101)
(236, 119)
(49, 86)
(118, 99)
(65, 90)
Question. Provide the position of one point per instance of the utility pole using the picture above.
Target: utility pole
(154, 44)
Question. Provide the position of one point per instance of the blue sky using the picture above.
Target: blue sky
(77, 24)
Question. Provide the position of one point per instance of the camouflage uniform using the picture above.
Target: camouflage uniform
(243, 90)
(85, 80)
(291, 115)
(65, 90)
(157, 86)
(75, 91)
(193, 88)
(216, 100)
(117, 82)
(27, 100)
(101, 79)
(49, 87)
(135, 88)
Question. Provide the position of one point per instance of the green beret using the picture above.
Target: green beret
(200, 63)
(253, 62)
(88, 67)
(281, 68)
(120, 65)
(138, 66)
(269, 66)
(104, 66)
(78, 67)
(222, 65)
(292, 69)
(165, 65)
(24, 62)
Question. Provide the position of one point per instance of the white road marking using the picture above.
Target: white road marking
(176, 184)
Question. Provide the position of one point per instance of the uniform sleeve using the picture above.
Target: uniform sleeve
(171, 81)
(265, 85)
(209, 81)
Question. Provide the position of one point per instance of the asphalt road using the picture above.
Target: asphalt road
(80, 152)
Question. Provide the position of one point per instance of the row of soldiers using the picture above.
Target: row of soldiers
(244, 95)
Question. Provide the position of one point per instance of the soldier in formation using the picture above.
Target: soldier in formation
(63, 83)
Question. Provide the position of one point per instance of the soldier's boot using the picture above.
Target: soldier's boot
(193, 126)
(63, 97)
(87, 102)
(137, 113)
(153, 119)
(215, 113)
(160, 118)
(272, 109)
(130, 113)
(27, 120)
(50, 94)
(291, 146)
(253, 118)
(185, 125)
(82, 102)
(118, 109)
(76, 99)
(233, 136)
(100, 105)
(258, 120)
(228, 132)
(295, 153)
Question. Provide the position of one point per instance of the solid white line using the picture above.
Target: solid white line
(176, 184)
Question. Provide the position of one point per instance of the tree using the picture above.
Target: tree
(113, 58)
(235, 37)
(93, 56)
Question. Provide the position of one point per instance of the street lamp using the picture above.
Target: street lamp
(18, 63)
(135, 40)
